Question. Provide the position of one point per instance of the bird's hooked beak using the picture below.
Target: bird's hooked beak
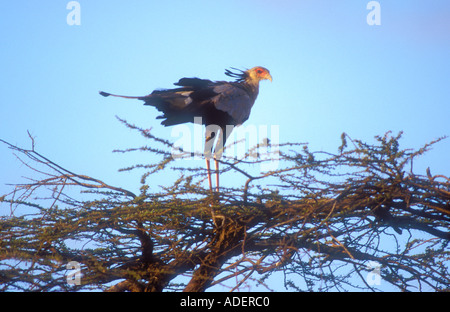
(267, 76)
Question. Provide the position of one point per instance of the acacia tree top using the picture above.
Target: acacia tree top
(323, 221)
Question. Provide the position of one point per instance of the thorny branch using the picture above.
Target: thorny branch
(75, 179)
(318, 220)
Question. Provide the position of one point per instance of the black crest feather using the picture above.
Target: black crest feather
(240, 75)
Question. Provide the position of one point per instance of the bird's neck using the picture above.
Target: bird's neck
(253, 87)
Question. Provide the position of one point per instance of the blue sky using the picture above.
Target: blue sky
(332, 73)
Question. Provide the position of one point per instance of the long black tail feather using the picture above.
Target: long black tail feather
(105, 94)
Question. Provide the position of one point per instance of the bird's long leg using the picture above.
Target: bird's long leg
(225, 132)
(218, 150)
(210, 135)
(209, 140)
(216, 164)
(208, 169)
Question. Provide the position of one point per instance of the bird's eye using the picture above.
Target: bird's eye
(259, 71)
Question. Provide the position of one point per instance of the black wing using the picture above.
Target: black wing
(221, 103)
(218, 103)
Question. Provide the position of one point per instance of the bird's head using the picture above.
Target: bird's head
(252, 76)
(259, 73)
